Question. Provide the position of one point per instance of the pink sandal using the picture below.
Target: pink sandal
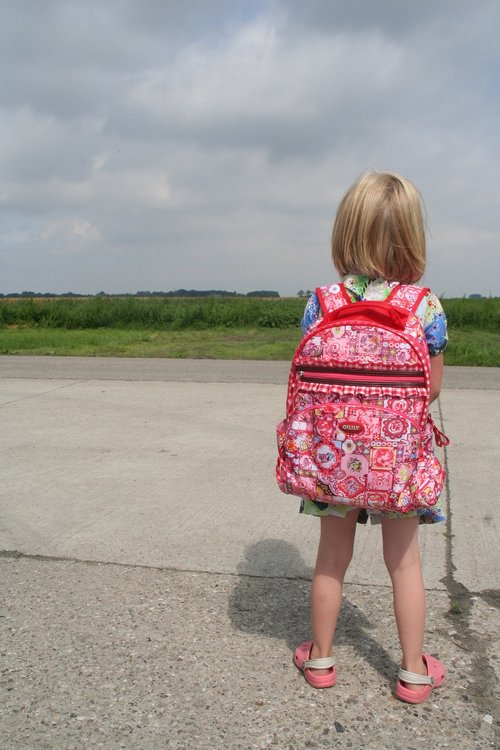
(302, 661)
(435, 677)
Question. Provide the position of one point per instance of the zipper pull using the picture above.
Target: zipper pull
(440, 438)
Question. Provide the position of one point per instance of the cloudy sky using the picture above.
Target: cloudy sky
(160, 144)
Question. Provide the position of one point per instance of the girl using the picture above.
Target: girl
(378, 241)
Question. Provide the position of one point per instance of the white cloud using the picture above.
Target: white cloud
(70, 236)
(207, 144)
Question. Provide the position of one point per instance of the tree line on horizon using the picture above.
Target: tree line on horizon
(192, 293)
(144, 293)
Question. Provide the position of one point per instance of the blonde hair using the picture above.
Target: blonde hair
(379, 229)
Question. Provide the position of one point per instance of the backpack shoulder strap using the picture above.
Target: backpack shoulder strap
(407, 296)
(332, 297)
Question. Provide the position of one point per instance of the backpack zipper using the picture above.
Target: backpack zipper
(333, 407)
(333, 376)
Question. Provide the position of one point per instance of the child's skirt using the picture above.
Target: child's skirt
(317, 508)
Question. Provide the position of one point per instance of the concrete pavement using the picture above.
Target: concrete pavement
(156, 581)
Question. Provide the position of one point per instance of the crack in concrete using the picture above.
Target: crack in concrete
(18, 555)
(482, 690)
(41, 393)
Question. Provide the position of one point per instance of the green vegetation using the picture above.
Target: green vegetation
(215, 343)
(473, 347)
(173, 313)
(213, 327)
(456, 608)
(467, 314)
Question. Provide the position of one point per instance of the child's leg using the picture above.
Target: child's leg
(402, 558)
(334, 555)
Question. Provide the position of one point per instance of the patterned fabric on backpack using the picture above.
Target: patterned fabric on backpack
(357, 429)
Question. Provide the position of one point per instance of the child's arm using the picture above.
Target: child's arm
(437, 368)
(436, 335)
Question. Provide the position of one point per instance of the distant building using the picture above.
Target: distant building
(475, 296)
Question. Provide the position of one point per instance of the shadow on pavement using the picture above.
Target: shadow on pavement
(279, 607)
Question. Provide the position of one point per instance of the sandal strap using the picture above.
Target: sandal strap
(415, 679)
(325, 663)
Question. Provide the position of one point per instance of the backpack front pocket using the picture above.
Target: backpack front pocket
(348, 453)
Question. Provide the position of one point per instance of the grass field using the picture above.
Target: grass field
(216, 343)
(217, 328)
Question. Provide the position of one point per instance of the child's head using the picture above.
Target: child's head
(379, 229)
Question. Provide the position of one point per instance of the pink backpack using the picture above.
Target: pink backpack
(357, 429)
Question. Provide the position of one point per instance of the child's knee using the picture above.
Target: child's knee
(397, 563)
(334, 561)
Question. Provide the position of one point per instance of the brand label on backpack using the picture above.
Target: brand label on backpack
(351, 428)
